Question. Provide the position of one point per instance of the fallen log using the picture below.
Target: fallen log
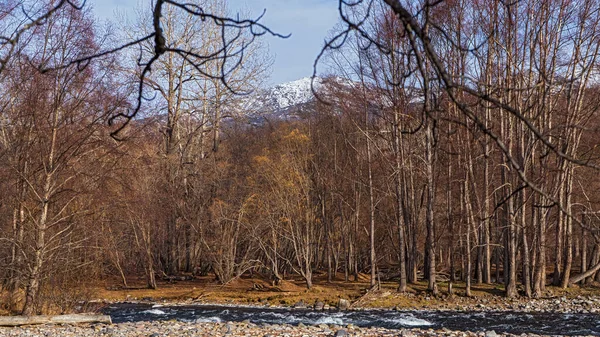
(60, 319)
(582, 276)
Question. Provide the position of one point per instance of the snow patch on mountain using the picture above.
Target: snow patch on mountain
(293, 93)
(277, 101)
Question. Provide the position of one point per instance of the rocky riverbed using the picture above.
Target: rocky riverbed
(555, 304)
(203, 329)
(562, 304)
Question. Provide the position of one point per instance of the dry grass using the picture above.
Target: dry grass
(240, 291)
(291, 291)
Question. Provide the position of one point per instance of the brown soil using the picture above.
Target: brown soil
(255, 291)
(288, 292)
(239, 291)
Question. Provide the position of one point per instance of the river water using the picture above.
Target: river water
(511, 322)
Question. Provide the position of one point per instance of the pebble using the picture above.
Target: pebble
(319, 306)
(192, 329)
(343, 304)
(300, 305)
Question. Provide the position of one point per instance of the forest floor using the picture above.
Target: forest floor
(293, 293)
(290, 293)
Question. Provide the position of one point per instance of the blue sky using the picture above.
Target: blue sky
(309, 22)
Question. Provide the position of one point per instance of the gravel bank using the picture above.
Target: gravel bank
(562, 304)
(183, 329)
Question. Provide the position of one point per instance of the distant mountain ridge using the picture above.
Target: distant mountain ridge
(281, 101)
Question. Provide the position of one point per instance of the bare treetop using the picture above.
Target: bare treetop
(230, 53)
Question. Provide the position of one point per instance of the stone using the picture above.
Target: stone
(300, 304)
(226, 329)
(343, 304)
(341, 333)
(491, 333)
(406, 333)
(319, 305)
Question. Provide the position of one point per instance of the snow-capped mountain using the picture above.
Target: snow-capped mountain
(288, 94)
(281, 101)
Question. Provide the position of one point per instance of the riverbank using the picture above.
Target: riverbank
(183, 329)
(579, 304)
(488, 301)
(257, 293)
